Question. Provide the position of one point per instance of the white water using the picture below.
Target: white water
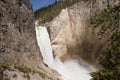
(70, 69)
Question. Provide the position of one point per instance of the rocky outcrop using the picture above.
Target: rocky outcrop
(17, 29)
(72, 35)
(18, 45)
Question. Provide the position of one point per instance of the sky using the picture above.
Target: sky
(41, 3)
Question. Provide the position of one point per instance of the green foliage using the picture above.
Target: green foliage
(27, 70)
(48, 13)
(4, 66)
(23, 69)
(41, 74)
(109, 21)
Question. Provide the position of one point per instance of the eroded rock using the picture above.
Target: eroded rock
(18, 44)
(72, 34)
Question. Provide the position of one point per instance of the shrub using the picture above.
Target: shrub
(23, 69)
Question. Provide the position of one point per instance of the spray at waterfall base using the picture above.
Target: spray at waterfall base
(69, 69)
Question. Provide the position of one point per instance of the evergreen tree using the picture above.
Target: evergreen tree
(46, 14)
(109, 21)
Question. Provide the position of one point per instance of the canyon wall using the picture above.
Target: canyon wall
(72, 34)
(17, 29)
(20, 57)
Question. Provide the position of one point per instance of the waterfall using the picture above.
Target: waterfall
(44, 45)
(70, 69)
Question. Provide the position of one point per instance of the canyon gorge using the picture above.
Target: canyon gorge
(60, 49)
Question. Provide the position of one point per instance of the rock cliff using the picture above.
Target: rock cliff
(20, 57)
(17, 29)
(72, 34)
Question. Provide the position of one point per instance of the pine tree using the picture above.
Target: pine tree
(109, 21)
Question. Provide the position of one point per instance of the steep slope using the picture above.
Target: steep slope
(17, 29)
(72, 35)
(109, 21)
(46, 14)
(19, 52)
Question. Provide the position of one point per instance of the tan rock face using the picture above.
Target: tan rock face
(72, 35)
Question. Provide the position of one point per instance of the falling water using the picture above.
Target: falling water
(70, 69)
